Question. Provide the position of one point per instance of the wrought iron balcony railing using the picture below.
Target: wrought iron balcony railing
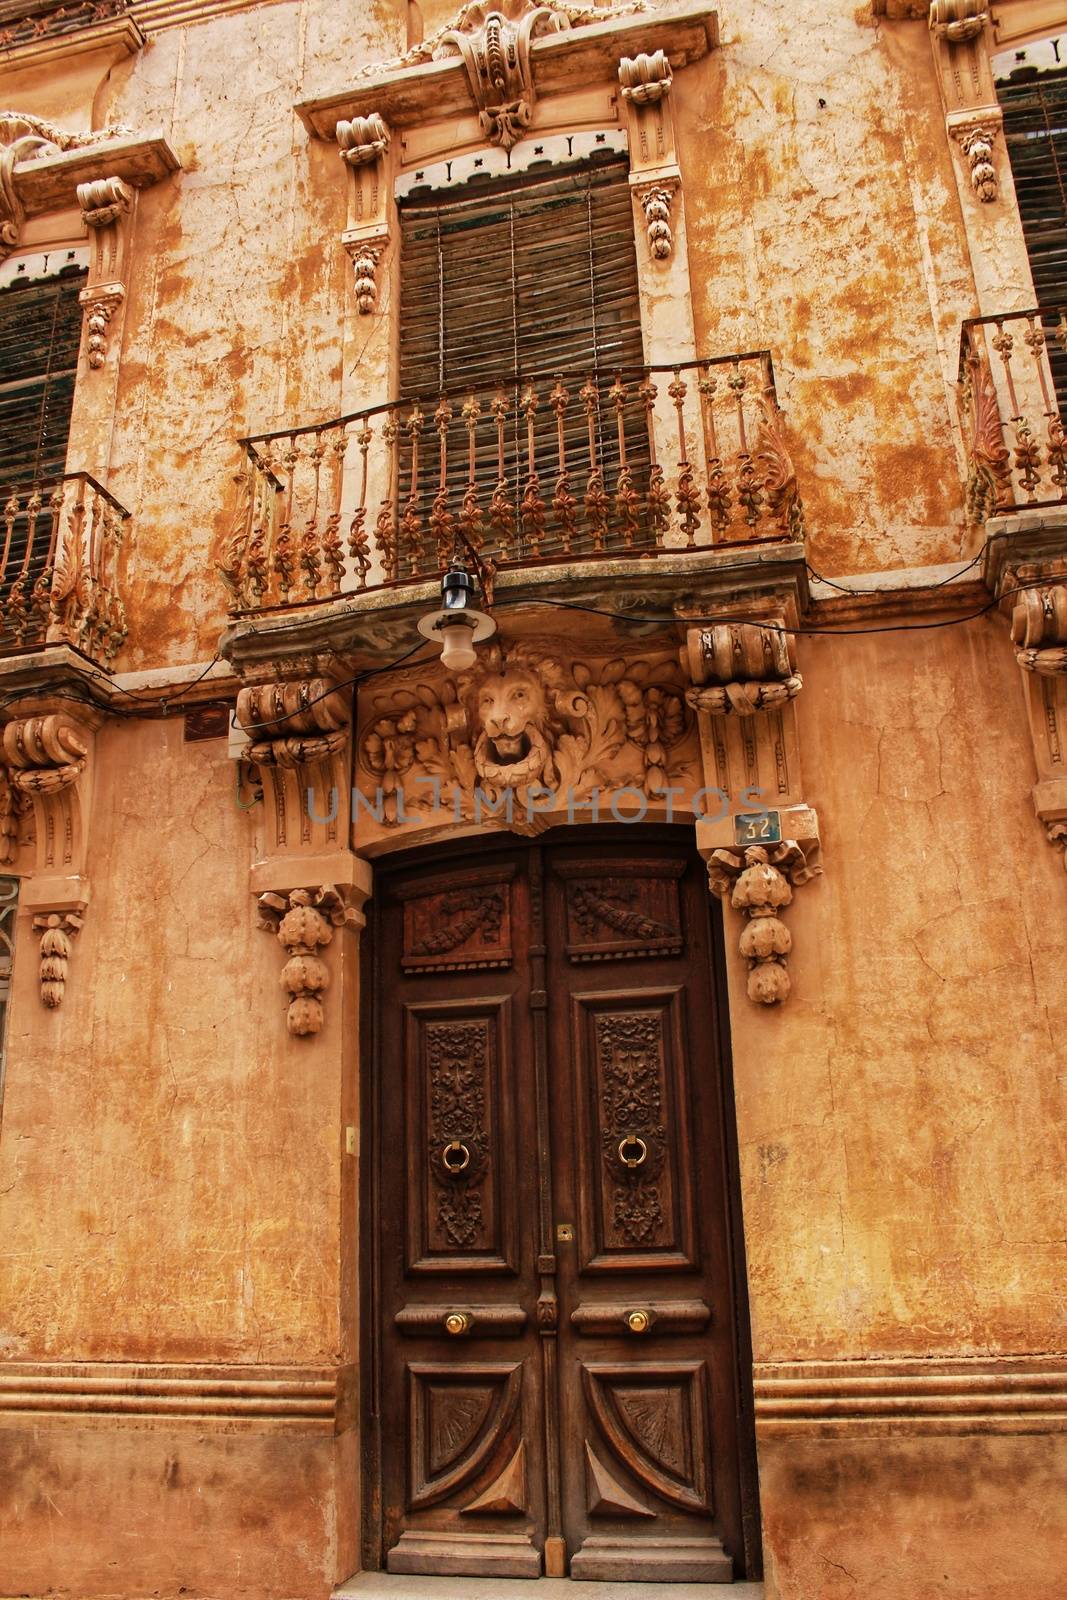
(1012, 379)
(59, 567)
(49, 19)
(530, 472)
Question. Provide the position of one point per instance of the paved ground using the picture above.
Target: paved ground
(384, 1586)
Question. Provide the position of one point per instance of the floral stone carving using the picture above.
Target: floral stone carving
(760, 882)
(526, 721)
(304, 921)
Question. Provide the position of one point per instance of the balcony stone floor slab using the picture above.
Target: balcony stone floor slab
(388, 1586)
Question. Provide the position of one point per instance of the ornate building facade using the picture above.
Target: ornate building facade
(533, 797)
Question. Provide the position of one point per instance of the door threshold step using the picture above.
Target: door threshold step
(394, 1586)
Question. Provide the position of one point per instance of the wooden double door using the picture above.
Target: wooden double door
(553, 1367)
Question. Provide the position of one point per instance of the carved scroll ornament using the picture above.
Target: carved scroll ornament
(495, 47)
(299, 733)
(958, 21)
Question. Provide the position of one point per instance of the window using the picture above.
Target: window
(506, 284)
(40, 334)
(1034, 103)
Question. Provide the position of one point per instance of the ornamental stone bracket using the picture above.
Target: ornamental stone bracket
(744, 685)
(1027, 571)
(46, 782)
(972, 116)
(308, 884)
(494, 45)
(106, 205)
(364, 148)
(304, 921)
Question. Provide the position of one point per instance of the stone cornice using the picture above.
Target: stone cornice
(1009, 1394)
(50, 183)
(119, 35)
(408, 95)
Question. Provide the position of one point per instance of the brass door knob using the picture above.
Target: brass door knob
(638, 1321)
(457, 1322)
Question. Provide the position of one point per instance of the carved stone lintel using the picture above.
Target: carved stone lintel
(656, 199)
(976, 140)
(958, 21)
(57, 929)
(366, 255)
(760, 882)
(304, 921)
(645, 79)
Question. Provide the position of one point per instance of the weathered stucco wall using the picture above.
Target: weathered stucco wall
(823, 221)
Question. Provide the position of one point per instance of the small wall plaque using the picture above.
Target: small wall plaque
(758, 827)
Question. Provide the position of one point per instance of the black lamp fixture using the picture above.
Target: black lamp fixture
(457, 627)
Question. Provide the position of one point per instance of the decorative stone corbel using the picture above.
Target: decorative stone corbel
(46, 760)
(1039, 633)
(958, 21)
(976, 138)
(300, 732)
(105, 207)
(759, 881)
(744, 685)
(655, 178)
(304, 921)
(364, 145)
(655, 201)
(495, 47)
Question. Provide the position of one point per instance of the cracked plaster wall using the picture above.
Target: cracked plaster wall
(823, 222)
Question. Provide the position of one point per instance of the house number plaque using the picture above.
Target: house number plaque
(758, 827)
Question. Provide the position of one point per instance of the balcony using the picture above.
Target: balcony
(59, 568)
(536, 473)
(1012, 376)
(22, 24)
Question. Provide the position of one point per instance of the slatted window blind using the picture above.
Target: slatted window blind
(512, 282)
(40, 332)
(1035, 133)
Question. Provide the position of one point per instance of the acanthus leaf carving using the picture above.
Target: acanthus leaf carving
(523, 721)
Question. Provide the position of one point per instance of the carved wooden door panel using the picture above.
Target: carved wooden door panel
(461, 1382)
(647, 1357)
(554, 1365)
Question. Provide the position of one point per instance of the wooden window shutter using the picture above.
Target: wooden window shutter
(1035, 134)
(514, 281)
(40, 334)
